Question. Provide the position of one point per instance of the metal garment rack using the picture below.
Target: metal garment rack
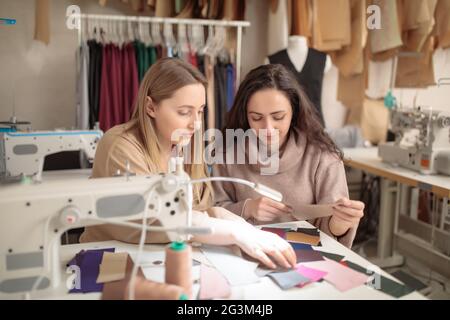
(158, 20)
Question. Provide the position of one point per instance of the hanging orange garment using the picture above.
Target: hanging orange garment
(374, 121)
(42, 21)
(416, 71)
(301, 18)
(442, 26)
(350, 59)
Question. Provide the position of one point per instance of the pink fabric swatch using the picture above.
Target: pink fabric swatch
(313, 275)
(342, 277)
(213, 284)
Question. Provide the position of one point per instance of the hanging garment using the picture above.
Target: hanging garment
(442, 17)
(277, 27)
(389, 36)
(231, 88)
(210, 99)
(351, 94)
(416, 71)
(82, 61)
(131, 81)
(349, 60)
(42, 21)
(95, 74)
(374, 121)
(220, 92)
(301, 18)
(310, 77)
(379, 82)
(331, 24)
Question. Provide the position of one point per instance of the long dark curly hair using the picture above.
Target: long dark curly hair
(304, 116)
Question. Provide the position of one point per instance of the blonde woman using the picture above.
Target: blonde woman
(172, 98)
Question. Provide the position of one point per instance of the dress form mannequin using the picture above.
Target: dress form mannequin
(297, 51)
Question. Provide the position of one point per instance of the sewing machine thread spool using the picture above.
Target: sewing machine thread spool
(179, 266)
(149, 290)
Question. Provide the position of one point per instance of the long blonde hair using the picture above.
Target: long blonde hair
(159, 83)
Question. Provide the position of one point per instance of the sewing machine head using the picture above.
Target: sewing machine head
(33, 218)
(23, 153)
(422, 140)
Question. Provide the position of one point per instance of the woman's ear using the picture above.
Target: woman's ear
(150, 107)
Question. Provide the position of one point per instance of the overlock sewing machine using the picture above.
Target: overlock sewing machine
(422, 140)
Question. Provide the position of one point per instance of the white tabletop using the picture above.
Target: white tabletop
(265, 289)
(367, 159)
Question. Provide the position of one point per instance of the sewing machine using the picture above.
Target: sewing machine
(34, 216)
(422, 141)
(23, 153)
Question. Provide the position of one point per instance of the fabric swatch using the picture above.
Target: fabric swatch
(302, 238)
(288, 279)
(113, 267)
(313, 275)
(300, 246)
(342, 277)
(279, 231)
(308, 255)
(332, 256)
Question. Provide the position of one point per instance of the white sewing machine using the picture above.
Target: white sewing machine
(23, 153)
(422, 141)
(34, 216)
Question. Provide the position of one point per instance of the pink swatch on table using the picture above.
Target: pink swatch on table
(342, 277)
(213, 284)
(313, 275)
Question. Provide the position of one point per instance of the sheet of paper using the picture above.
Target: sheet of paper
(213, 284)
(113, 267)
(235, 269)
(313, 211)
(342, 277)
(288, 279)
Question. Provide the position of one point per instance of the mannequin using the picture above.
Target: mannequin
(298, 51)
(308, 65)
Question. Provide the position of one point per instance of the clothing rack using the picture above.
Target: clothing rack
(158, 20)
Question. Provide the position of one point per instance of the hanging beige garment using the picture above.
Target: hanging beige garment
(164, 8)
(389, 36)
(350, 59)
(188, 11)
(442, 25)
(331, 24)
(416, 71)
(351, 93)
(417, 30)
(42, 21)
(374, 121)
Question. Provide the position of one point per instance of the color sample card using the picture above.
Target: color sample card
(113, 267)
(342, 277)
(313, 275)
(313, 211)
(279, 231)
(332, 256)
(308, 255)
(300, 246)
(302, 238)
(288, 279)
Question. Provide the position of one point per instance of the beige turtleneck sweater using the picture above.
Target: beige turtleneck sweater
(306, 175)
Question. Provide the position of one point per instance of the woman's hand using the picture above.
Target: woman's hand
(262, 244)
(346, 214)
(265, 210)
(256, 243)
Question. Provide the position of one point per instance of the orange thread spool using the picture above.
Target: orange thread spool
(179, 266)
